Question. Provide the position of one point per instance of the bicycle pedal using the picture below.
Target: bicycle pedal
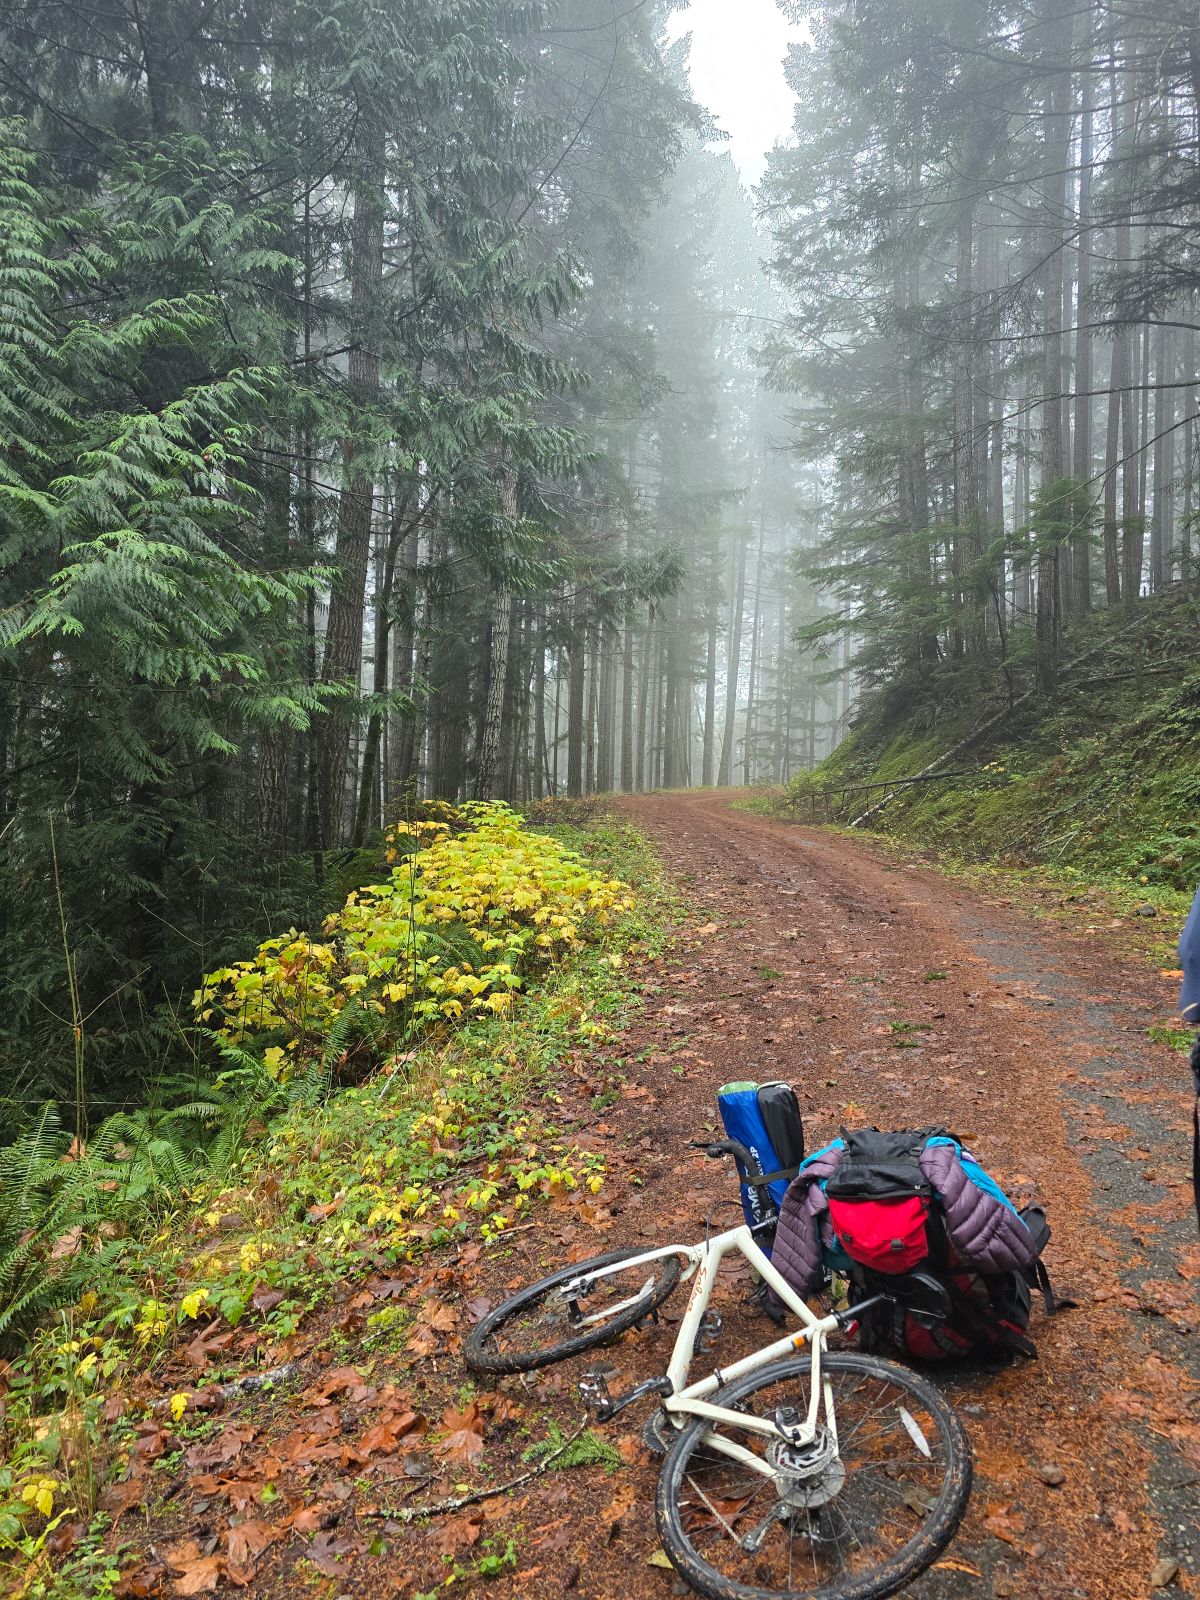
(594, 1391)
(712, 1326)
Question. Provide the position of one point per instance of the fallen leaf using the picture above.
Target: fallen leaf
(118, 1498)
(957, 1566)
(208, 1343)
(67, 1244)
(383, 1438)
(388, 1288)
(220, 1450)
(62, 1538)
(311, 1519)
(1004, 1523)
(439, 1316)
(660, 1558)
(343, 1380)
(556, 1535)
(631, 1449)
(457, 1532)
(501, 1408)
(621, 1503)
(199, 1576)
(462, 1438)
(246, 1541)
(327, 1552)
(140, 1582)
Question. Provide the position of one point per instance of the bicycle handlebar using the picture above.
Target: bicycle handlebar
(728, 1147)
(750, 1174)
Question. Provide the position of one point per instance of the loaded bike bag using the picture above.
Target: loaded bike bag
(879, 1200)
(766, 1119)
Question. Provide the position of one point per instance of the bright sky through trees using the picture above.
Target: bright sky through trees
(736, 67)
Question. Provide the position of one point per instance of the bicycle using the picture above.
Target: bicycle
(827, 1476)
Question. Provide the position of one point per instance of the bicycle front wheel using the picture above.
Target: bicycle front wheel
(565, 1314)
(855, 1520)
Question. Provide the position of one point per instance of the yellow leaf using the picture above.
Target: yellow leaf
(191, 1303)
(179, 1404)
(660, 1558)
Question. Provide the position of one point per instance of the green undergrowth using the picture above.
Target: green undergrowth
(455, 1141)
(1100, 785)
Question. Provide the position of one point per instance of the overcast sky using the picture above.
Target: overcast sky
(738, 48)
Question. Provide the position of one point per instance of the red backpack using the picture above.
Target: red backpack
(888, 1221)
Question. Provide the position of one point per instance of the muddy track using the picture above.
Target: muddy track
(889, 995)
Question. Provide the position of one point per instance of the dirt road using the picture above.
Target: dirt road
(887, 994)
(891, 996)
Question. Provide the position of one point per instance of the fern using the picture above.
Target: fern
(588, 1450)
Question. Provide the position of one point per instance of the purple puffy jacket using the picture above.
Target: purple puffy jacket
(982, 1226)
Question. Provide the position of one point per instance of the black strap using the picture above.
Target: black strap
(1051, 1301)
(759, 1178)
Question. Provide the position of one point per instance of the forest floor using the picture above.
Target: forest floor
(888, 993)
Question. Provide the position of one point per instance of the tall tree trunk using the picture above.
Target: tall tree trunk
(671, 763)
(540, 765)
(752, 686)
(966, 554)
(644, 701)
(488, 774)
(342, 661)
(1164, 447)
(1112, 525)
(733, 664)
(1081, 572)
(627, 723)
(576, 666)
(710, 698)
(604, 755)
(402, 734)
(1056, 25)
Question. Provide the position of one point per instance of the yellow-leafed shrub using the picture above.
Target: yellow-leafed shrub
(473, 902)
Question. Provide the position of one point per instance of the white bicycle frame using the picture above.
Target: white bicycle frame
(692, 1400)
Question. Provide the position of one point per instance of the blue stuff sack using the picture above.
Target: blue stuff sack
(766, 1119)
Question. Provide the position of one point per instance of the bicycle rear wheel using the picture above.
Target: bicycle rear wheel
(563, 1315)
(853, 1522)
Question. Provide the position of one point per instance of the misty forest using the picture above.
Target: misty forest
(420, 446)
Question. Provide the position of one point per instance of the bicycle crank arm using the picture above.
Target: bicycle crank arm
(594, 1390)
